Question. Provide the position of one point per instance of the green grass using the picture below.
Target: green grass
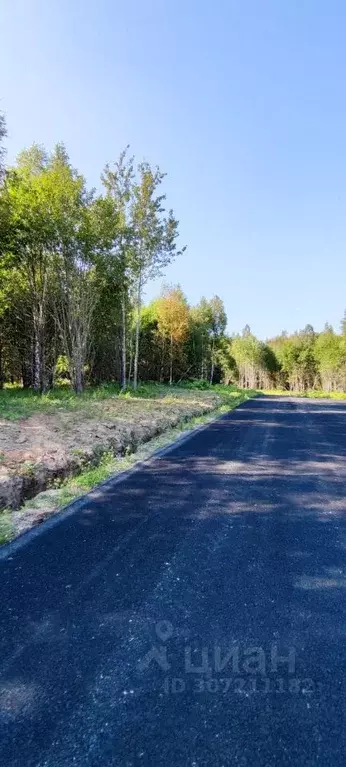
(6, 527)
(16, 403)
(311, 394)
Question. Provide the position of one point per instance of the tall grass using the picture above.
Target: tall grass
(17, 403)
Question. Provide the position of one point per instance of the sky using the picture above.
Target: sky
(241, 102)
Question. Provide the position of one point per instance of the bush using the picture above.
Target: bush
(195, 383)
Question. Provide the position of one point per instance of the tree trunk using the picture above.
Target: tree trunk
(78, 379)
(123, 351)
(131, 359)
(162, 361)
(194, 357)
(37, 362)
(171, 363)
(27, 369)
(44, 372)
(1, 369)
(212, 362)
(135, 367)
(78, 373)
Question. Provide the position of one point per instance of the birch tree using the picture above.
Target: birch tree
(119, 183)
(154, 239)
(76, 242)
(30, 239)
(218, 322)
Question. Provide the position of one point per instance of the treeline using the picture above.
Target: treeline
(298, 362)
(192, 343)
(73, 268)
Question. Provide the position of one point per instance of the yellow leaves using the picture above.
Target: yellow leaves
(173, 314)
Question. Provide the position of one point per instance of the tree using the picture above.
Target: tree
(52, 243)
(15, 325)
(152, 345)
(218, 326)
(247, 352)
(172, 320)
(154, 239)
(75, 253)
(343, 324)
(30, 238)
(119, 184)
(3, 234)
(329, 357)
(76, 243)
(296, 359)
(269, 367)
(201, 320)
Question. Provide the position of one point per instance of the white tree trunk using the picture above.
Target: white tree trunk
(123, 351)
(212, 361)
(37, 351)
(171, 363)
(135, 366)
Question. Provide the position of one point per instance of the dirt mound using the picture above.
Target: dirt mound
(45, 447)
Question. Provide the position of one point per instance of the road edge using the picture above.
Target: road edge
(7, 549)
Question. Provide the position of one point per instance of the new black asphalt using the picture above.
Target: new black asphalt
(193, 614)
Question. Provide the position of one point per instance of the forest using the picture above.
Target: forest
(74, 266)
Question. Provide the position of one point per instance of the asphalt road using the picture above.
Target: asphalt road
(194, 614)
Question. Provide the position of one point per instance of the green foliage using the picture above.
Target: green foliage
(308, 360)
(73, 268)
(17, 403)
(330, 357)
(255, 361)
(198, 384)
(79, 265)
(6, 527)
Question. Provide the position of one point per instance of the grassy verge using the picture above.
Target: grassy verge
(7, 531)
(17, 404)
(312, 394)
(49, 501)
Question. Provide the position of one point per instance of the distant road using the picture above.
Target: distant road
(194, 614)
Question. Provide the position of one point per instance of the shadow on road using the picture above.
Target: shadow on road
(237, 538)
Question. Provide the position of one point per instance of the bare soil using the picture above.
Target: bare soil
(36, 450)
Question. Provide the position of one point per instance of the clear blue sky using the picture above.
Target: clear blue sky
(242, 102)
